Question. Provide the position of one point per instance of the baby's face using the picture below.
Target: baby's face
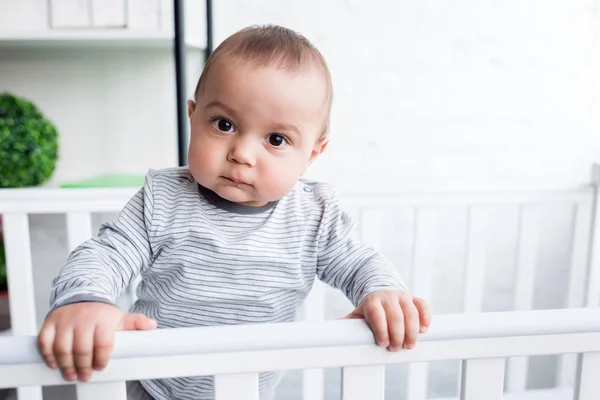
(255, 130)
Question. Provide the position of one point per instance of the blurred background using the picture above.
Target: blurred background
(428, 94)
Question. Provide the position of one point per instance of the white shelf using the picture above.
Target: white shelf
(107, 89)
(89, 37)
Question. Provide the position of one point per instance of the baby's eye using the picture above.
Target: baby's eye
(277, 140)
(223, 125)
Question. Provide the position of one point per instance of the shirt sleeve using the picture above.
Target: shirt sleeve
(347, 264)
(102, 267)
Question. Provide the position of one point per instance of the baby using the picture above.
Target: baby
(236, 237)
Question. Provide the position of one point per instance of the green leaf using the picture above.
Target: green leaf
(28, 143)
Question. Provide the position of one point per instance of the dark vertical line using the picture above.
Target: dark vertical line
(209, 28)
(179, 48)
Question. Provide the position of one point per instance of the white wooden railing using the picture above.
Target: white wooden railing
(584, 270)
(483, 341)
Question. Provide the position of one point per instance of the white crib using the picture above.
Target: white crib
(494, 346)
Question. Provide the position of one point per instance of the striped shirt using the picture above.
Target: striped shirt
(206, 261)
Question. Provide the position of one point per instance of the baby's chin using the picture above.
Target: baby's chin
(239, 195)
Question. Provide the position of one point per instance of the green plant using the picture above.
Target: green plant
(28, 143)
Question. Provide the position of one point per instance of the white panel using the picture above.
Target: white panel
(166, 15)
(593, 276)
(101, 391)
(20, 274)
(524, 285)
(143, 14)
(475, 258)
(194, 23)
(588, 372)
(579, 254)
(69, 13)
(108, 13)
(360, 383)
(423, 256)
(482, 379)
(25, 16)
(236, 387)
(370, 227)
(79, 228)
(29, 393)
(576, 291)
(313, 384)
(20, 283)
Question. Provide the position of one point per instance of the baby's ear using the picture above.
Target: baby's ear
(191, 108)
(319, 148)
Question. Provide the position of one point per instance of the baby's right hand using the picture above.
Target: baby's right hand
(79, 337)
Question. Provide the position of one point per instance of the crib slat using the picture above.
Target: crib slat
(370, 227)
(20, 280)
(236, 387)
(592, 298)
(29, 393)
(524, 286)
(423, 252)
(580, 245)
(482, 379)
(476, 258)
(79, 228)
(313, 384)
(101, 391)
(20, 274)
(313, 309)
(366, 382)
(588, 371)
(526, 257)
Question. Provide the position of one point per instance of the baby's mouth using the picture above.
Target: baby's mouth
(235, 180)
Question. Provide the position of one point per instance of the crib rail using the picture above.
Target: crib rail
(583, 283)
(483, 341)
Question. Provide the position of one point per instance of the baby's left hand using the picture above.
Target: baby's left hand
(395, 317)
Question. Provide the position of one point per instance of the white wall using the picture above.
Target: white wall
(467, 93)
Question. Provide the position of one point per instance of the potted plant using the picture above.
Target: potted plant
(28, 143)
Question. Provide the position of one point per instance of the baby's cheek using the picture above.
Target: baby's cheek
(202, 160)
(279, 180)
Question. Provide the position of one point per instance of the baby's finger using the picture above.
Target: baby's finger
(395, 323)
(375, 317)
(46, 345)
(83, 352)
(424, 313)
(63, 351)
(411, 324)
(103, 346)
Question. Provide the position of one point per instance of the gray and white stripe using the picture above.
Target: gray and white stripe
(207, 261)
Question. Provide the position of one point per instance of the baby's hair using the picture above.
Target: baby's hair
(270, 45)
